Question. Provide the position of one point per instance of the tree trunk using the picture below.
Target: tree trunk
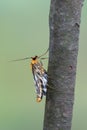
(64, 20)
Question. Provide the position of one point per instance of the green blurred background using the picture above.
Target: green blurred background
(24, 31)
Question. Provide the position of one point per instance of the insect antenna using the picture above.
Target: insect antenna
(26, 58)
(44, 58)
(44, 54)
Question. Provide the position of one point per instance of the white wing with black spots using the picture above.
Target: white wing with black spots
(40, 79)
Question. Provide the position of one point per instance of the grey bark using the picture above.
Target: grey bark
(64, 22)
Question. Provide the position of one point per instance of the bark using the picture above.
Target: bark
(64, 21)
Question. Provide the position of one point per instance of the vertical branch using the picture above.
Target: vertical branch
(64, 21)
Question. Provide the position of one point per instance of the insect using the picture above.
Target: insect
(40, 78)
(39, 75)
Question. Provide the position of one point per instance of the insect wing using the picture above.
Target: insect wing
(40, 79)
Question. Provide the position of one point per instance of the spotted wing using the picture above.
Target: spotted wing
(40, 79)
